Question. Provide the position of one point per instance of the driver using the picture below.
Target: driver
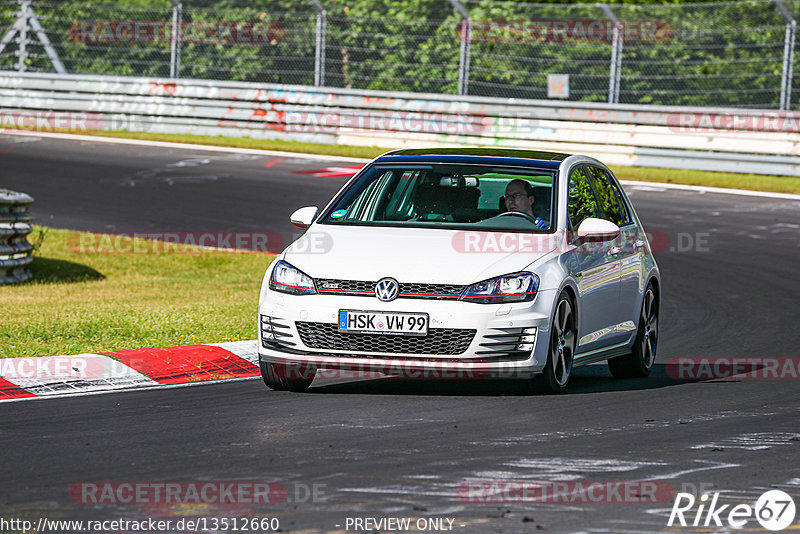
(519, 197)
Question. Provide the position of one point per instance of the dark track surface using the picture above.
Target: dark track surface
(384, 449)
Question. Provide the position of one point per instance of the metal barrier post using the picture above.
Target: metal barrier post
(9, 36)
(175, 41)
(321, 42)
(466, 42)
(48, 46)
(615, 70)
(15, 250)
(22, 35)
(788, 56)
(20, 28)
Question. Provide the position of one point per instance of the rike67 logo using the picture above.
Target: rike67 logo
(774, 510)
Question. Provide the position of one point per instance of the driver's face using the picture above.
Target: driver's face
(517, 200)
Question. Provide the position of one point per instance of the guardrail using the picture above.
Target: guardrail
(731, 140)
(15, 250)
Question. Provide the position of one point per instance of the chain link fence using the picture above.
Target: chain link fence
(733, 54)
(726, 54)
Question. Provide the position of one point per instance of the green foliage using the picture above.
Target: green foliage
(721, 54)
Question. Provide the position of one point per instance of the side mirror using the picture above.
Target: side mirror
(303, 217)
(593, 229)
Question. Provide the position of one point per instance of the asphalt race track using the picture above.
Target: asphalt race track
(101, 187)
(391, 449)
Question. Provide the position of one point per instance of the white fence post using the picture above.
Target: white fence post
(20, 28)
(321, 43)
(9, 36)
(48, 46)
(615, 70)
(466, 42)
(22, 36)
(175, 41)
(788, 56)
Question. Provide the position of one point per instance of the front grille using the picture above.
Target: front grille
(438, 340)
(430, 290)
(342, 287)
(361, 288)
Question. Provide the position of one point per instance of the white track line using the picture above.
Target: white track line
(318, 157)
(654, 186)
(184, 146)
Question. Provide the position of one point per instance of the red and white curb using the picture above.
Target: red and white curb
(22, 378)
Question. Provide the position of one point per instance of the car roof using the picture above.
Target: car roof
(479, 156)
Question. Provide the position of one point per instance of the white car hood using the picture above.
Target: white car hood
(421, 255)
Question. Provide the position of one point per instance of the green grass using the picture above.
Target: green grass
(89, 302)
(367, 152)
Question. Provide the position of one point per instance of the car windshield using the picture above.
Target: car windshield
(448, 196)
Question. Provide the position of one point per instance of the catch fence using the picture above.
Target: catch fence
(722, 54)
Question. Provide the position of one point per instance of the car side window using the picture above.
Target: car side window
(580, 198)
(606, 197)
(626, 215)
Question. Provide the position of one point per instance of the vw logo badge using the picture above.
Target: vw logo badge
(387, 289)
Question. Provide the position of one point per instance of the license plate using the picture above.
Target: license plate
(393, 323)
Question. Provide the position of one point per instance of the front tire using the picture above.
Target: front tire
(639, 362)
(563, 333)
(280, 378)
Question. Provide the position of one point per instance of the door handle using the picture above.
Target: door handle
(638, 244)
(613, 251)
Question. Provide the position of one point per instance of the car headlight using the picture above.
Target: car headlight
(517, 287)
(288, 279)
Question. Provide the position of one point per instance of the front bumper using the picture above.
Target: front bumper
(490, 351)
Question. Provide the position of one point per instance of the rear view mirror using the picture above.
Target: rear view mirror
(458, 181)
(303, 217)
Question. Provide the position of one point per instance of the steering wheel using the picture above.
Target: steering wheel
(518, 214)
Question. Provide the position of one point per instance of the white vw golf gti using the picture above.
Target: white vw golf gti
(464, 263)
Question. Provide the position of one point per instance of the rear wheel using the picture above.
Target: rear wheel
(279, 377)
(640, 361)
(556, 373)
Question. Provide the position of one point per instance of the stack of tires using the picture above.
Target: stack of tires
(15, 226)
